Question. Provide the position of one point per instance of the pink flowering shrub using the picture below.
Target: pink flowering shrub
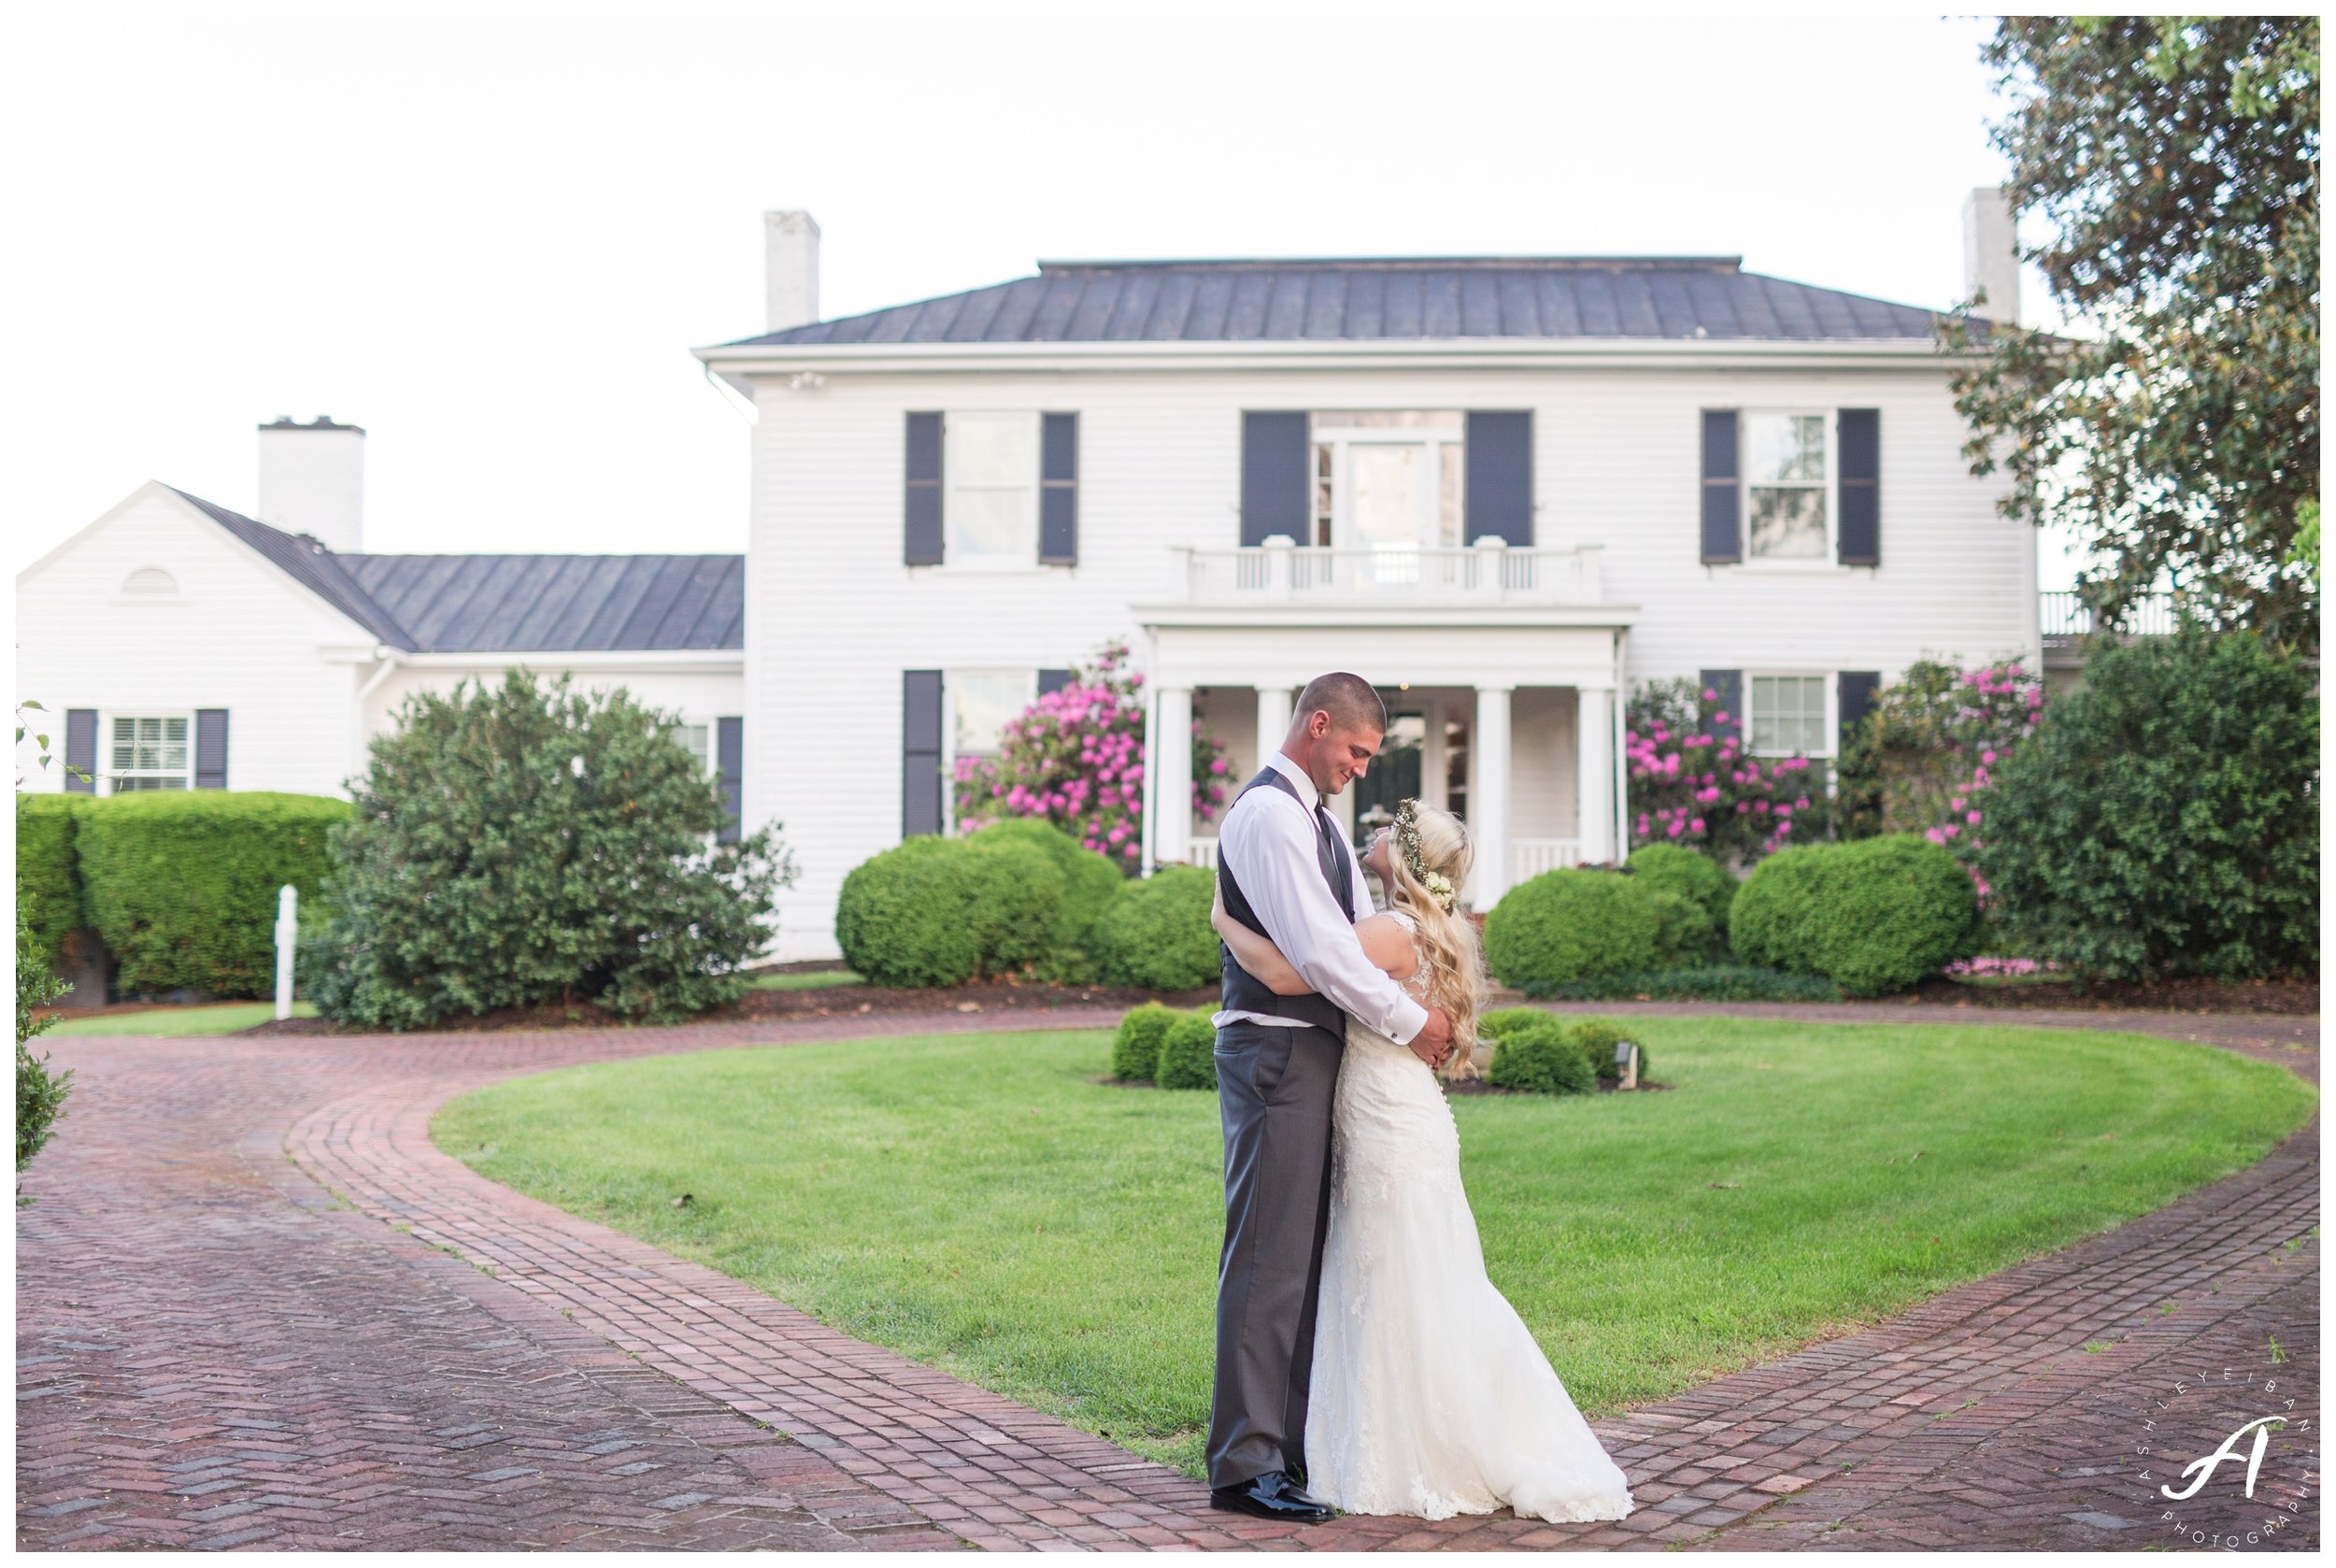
(1925, 756)
(1693, 784)
(1076, 758)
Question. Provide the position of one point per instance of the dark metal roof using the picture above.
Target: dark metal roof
(1365, 300)
(515, 604)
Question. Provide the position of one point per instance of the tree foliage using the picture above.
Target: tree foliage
(521, 844)
(40, 1092)
(2175, 162)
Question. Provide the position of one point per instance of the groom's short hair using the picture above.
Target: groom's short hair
(1349, 699)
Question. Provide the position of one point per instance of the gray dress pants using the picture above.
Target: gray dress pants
(1274, 1087)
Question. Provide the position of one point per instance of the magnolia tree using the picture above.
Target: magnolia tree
(1693, 783)
(1923, 757)
(1076, 758)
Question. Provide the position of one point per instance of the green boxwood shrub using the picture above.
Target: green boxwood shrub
(1540, 1061)
(1691, 875)
(1595, 1039)
(180, 885)
(1683, 929)
(1188, 1053)
(1504, 1021)
(1564, 926)
(2164, 819)
(48, 885)
(934, 911)
(1156, 933)
(1090, 883)
(1873, 915)
(1135, 1050)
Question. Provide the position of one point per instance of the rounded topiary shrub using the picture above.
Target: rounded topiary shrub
(181, 885)
(1135, 1050)
(1156, 933)
(1683, 930)
(1090, 883)
(1017, 892)
(1540, 1061)
(905, 915)
(1873, 915)
(1595, 1039)
(1564, 926)
(1188, 1053)
(1691, 875)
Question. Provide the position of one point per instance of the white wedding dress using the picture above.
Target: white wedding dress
(1429, 1395)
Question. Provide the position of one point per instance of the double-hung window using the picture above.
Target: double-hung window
(697, 739)
(148, 752)
(991, 508)
(1787, 484)
(1789, 716)
(982, 703)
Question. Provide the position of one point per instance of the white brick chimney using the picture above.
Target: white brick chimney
(312, 480)
(1990, 255)
(790, 276)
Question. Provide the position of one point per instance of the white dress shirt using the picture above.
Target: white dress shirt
(1272, 842)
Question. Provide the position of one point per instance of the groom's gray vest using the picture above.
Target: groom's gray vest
(1244, 992)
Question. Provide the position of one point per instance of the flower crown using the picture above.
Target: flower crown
(1407, 843)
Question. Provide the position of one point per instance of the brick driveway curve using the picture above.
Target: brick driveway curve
(257, 1309)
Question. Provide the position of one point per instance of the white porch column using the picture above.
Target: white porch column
(1274, 705)
(1169, 774)
(1593, 771)
(1489, 797)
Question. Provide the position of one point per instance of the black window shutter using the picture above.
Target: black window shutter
(80, 750)
(1054, 681)
(1723, 511)
(1058, 490)
(921, 752)
(210, 749)
(1729, 685)
(1860, 543)
(1273, 480)
(1499, 466)
(921, 535)
(730, 763)
(1856, 690)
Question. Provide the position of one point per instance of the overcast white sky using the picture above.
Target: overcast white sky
(493, 242)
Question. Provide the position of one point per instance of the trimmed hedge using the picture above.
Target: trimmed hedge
(1734, 982)
(1565, 926)
(1135, 1050)
(1692, 875)
(48, 883)
(1540, 1061)
(934, 911)
(1873, 915)
(1596, 1038)
(1089, 884)
(1156, 934)
(180, 886)
(1188, 1053)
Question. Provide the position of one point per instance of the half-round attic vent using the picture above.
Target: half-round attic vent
(150, 582)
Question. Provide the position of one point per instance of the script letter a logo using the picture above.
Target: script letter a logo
(2206, 1467)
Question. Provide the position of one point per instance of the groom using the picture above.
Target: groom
(1284, 869)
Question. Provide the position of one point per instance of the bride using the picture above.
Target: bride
(1430, 1396)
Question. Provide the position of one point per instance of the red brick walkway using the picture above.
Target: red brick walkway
(214, 1351)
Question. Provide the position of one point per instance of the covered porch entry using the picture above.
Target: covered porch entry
(1512, 724)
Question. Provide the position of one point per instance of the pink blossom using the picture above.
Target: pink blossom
(1934, 835)
(1972, 818)
(1674, 829)
(1697, 825)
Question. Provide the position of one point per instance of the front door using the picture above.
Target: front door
(1394, 774)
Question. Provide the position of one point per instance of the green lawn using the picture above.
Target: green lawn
(807, 980)
(982, 1204)
(223, 1017)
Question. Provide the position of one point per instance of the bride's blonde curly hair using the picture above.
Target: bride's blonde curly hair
(1429, 854)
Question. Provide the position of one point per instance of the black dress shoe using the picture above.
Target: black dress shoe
(1270, 1496)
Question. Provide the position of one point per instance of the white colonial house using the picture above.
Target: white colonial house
(1505, 490)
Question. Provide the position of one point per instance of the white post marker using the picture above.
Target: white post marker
(287, 938)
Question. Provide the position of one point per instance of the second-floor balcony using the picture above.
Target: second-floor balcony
(1283, 573)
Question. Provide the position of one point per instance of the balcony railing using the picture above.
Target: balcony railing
(1288, 574)
(2065, 615)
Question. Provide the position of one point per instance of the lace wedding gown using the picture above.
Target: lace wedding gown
(1429, 1395)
